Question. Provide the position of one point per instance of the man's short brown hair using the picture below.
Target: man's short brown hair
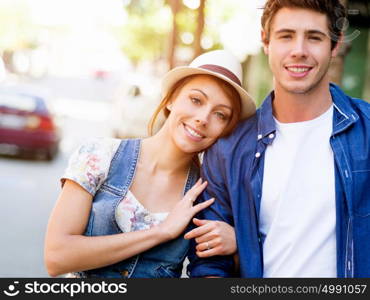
(333, 9)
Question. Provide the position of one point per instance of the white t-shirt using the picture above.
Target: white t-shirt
(298, 211)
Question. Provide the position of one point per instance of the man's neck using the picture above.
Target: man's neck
(291, 107)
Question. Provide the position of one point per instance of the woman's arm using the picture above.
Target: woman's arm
(68, 250)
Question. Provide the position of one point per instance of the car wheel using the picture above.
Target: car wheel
(51, 153)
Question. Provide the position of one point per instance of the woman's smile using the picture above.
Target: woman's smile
(193, 134)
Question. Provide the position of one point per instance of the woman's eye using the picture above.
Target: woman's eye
(195, 100)
(221, 116)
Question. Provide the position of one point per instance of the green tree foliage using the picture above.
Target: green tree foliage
(16, 28)
(147, 32)
(144, 35)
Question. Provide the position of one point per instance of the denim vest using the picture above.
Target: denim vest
(164, 260)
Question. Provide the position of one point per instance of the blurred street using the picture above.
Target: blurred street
(100, 63)
(29, 188)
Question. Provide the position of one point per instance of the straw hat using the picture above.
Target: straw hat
(219, 63)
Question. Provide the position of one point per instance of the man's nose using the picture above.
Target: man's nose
(299, 48)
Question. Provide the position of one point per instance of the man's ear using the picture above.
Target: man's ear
(336, 49)
(265, 42)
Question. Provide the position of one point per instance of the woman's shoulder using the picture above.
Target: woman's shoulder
(95, 153)
(99, 146)
(89, 163)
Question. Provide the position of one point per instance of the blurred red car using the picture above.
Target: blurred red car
(27, 125)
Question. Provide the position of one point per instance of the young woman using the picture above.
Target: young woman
(125, 204)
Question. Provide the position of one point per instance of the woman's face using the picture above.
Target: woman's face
(199, 114)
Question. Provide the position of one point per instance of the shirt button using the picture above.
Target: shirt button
(257, 154)
(259, 136)
(147, 219)
(271, 135)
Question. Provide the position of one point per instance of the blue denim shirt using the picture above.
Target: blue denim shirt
(164, 260)
(234, 168)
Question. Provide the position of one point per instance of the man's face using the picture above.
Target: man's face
(299, 50)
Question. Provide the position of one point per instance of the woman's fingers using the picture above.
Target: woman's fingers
(210, 248)
(207, 245)
(208, 253)
(199, 231)
(195, 191)
(197, 208)
(199, 222)
(206, 237)
(213, 235)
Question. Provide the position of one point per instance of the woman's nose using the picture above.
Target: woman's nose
(201, 118)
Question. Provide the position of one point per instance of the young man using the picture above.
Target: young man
(294, 180)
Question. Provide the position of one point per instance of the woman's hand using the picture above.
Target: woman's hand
(67, 249)
(213, 238)
(184, 211)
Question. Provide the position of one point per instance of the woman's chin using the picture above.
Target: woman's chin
(192, 148)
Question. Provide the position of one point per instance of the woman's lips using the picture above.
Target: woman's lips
(193, 134)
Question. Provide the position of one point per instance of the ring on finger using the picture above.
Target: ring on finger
(208, 246)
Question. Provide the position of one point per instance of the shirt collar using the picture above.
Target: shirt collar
(344, 113)
(266, 122)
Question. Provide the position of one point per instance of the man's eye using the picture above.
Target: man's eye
(285, 37)
(315, 38)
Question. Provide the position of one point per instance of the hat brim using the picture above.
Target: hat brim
(178, 73)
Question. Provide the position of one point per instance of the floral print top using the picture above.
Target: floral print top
(89, 166)
(131, 215)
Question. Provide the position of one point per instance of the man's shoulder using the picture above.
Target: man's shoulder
(243, 129)
(362, 107)
(241, 139)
